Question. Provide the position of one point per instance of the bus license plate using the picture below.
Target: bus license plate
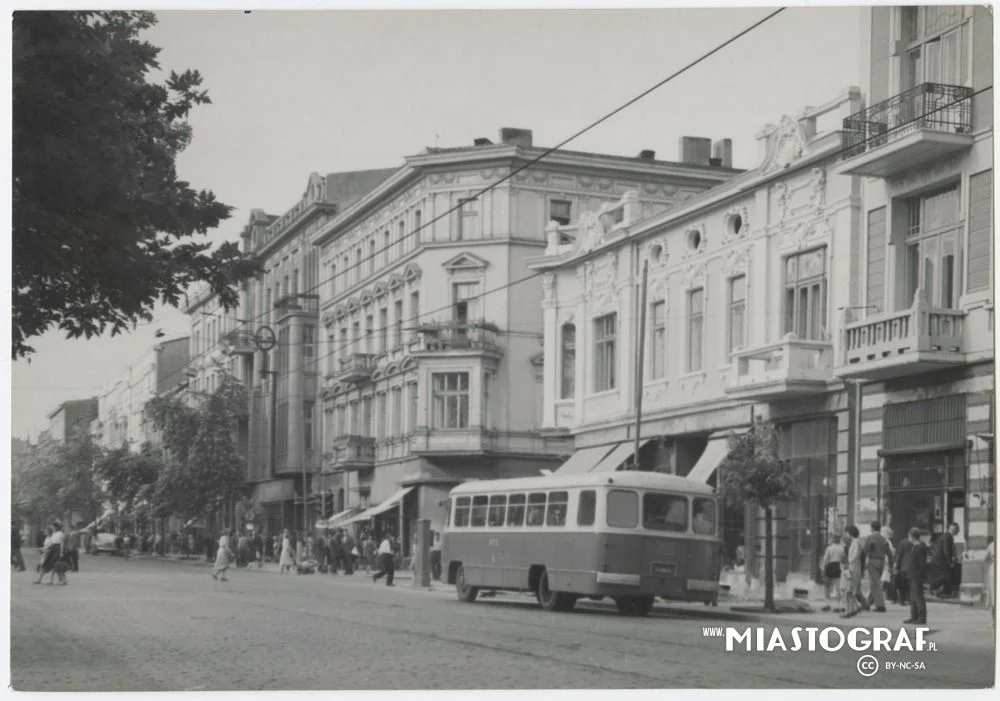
(664, 568)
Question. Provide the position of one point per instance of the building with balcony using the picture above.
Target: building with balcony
(121, 418)
(745, 286)
(283, 381)
(920, 347)
(431, 325)
(218, 340)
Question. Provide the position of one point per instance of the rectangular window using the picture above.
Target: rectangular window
(309, 347)
(356, 337)
(397, 340)
(465, 302)
(370, 334)
(587, 508)
(568, 386)
(358, 255)
(664, 512)
(933, 238)
(479, 507)
(696, 327)
(560, 211)
(380, 409)
(401, 239)
(535, 515)
(397, 411)
(366, 416)
(387, 247)
(515, 510)
(498, 507)
(307, 425)
(737, 312)
(331, 354)
(462, 509)
(658, 354)
(414, 313)
(555, 511)
(371, 256)
(466, 207)
(417, 225)
(486, 414)
(703, 520)
(383, 329)
(345, 272)
(605, 359)
(451, 400)
(411, 419)
(623, 508)
(341, 420)
(805, 295)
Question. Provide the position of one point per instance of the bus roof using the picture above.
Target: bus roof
(622, 478)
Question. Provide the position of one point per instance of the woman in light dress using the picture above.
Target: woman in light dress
(287, 560)
(222, 557)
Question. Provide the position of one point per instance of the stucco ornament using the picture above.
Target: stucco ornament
(591, 232)
(786, 144)
(817, 191)
(728, 221)
(695, 241)
(736, 262)
(548, 287)
(695, 275)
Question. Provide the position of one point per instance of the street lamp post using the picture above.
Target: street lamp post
(265, 340)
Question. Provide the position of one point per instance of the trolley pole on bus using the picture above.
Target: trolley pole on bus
(641, 347)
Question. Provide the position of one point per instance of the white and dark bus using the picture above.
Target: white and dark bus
(630, 535)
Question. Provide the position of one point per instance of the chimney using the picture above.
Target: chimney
(647, 155)
(516, 137)
(723, 150)
(695, 151)
(482, 141)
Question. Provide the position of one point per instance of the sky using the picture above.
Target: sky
(324, 91)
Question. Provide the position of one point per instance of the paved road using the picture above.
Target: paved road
(142, 625)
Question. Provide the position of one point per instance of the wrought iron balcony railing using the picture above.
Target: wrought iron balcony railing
(928, 106)
(297, 303)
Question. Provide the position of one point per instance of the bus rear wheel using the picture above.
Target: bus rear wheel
(553, 600)
(465, 592)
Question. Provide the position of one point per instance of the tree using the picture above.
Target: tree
(128, 477)
(754, 474)
(57, 481)
(203, 466)
(103, 229)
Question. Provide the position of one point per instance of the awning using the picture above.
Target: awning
(621, 452)
(392, 501)
(584, 460)
(715, 453)
(334, 520)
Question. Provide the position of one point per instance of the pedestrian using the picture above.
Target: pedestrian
(436, 556)
(16, 558)
(945, 561)
(902, 581)
(73, 549)
(888, 588)
(287, 558)
(989, 579)
(852, 574)
(387, 562)
(878, 554)
(348, 550)
(222, 557)
(45, 564)
(916, 573)
(242, 550)
(833, 563)
(371, 552)
(258, 549)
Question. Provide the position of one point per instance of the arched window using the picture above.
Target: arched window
(568, 354)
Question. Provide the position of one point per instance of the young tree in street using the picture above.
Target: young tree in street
(754, 474)
(203, 467)
(103, 228)
(128, 477)
(57, 481)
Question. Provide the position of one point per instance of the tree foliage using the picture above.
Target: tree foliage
(103, 228)
(128, 478)
(202, 465)
(753, 473)
(57, 481)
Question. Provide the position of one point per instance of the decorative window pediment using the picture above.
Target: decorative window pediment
(380, 290)
(353, 304)
(413, 272)
(396, 281)
(465, 261)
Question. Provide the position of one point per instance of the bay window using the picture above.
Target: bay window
(451, 399)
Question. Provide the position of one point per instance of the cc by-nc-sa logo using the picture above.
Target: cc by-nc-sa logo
(867, 666)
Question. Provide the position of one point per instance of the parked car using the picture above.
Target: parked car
(103, 543)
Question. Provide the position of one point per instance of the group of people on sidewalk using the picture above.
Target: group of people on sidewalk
(59, 553)
(899, 575)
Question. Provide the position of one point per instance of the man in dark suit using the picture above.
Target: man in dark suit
(945, 562)
(916, 572)
(902, 564)
(878, 556)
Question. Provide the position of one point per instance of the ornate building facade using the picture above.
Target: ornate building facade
(921, 346)
(745, 286)
(430, 322)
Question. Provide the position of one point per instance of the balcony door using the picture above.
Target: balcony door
(931, 252)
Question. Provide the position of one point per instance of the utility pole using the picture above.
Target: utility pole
(265, 340)
(641, 348)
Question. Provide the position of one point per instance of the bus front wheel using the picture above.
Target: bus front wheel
(465, 592)
(553, 600)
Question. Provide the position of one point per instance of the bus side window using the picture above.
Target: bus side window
(462, 512)
(623, 508)
(498, 505)
(536, 509)
(703, 521)
(664, 512)
(515, 510)
(586, 508)
(555, 515)
(479, 505)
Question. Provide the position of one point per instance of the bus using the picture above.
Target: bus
(628, 535)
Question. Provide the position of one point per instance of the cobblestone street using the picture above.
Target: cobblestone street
(150, 625)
